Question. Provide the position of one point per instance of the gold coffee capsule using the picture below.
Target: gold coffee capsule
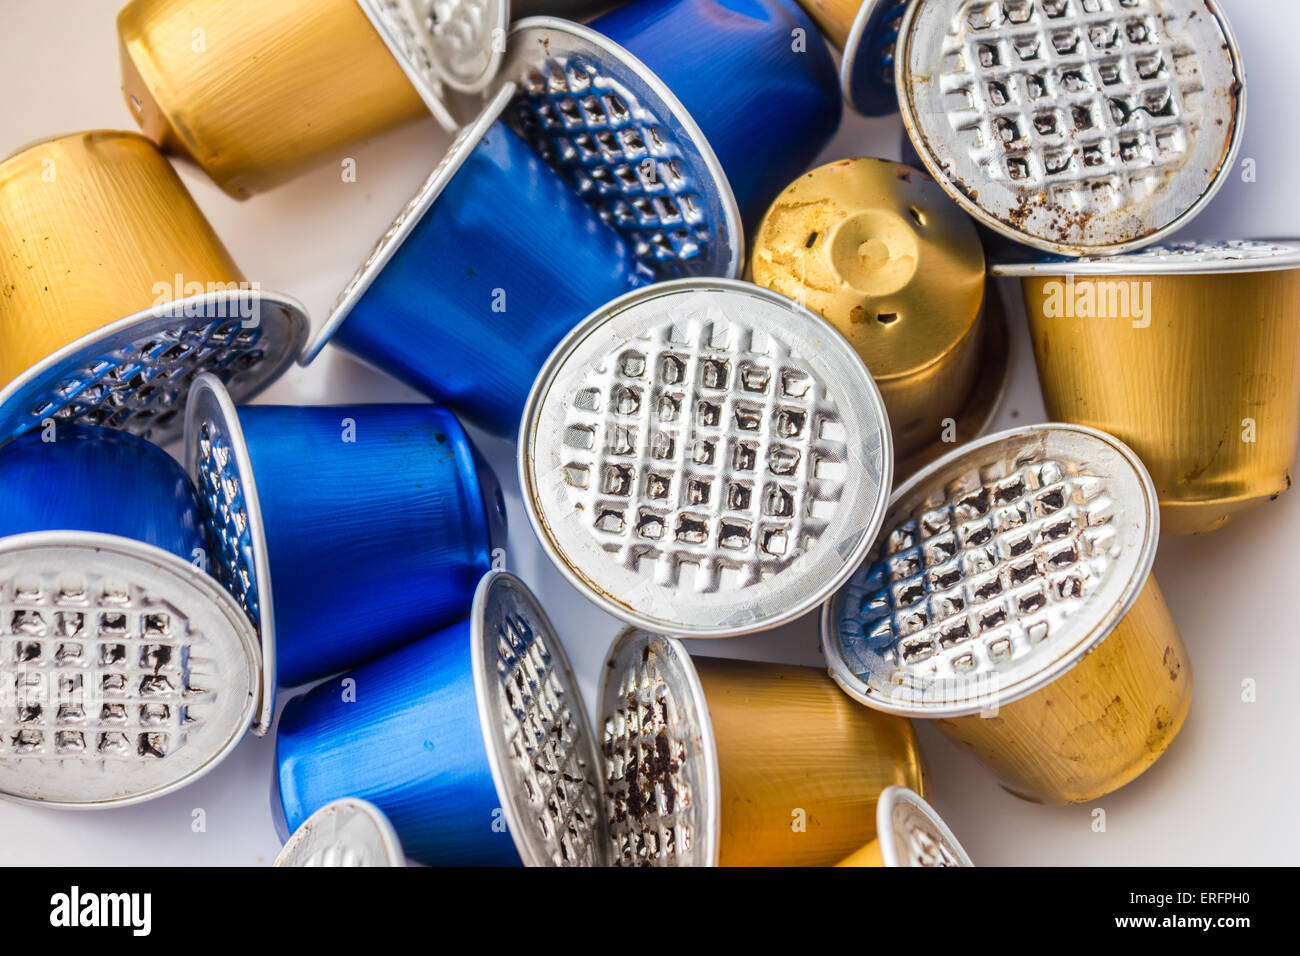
(254, 92)
(909, 832)
(1009, 598)
(736, 763)
(880, 252)
(117, 292)
(1188, 352)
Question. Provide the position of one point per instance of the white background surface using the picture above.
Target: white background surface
(1224, 792)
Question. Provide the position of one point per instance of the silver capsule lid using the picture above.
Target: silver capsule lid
(437, 42)
(911, 833)
(125, 672)
(216, 457)
(348, 832)
(705, 458)
(134, 374)
(1074, 126)
(543, 755)
(662, 782)
(999, 567)
(626, 144)
(1190, 257)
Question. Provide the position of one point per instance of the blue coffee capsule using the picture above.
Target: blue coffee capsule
(474, 742)
(343, 531)
(867, 69)
(132, 671)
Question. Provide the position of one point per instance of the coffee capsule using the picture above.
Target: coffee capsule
(909, 832)
(867, 33)
(118, 293)
(1138, 345)
(1010, 599)
(705, 458)
(347, 832)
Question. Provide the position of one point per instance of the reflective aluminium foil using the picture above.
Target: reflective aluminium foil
(1009, 598)
(1141, 346)
(343, 530)
(909, 832)
(1078, 127)
(345, 833)
(118, 293)
(126, 672)
(705, 458)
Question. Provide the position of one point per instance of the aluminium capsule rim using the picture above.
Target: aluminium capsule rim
(209, 395)
(487, 689)
(677, 670)
(891, 846)
(913, 132)
(377, 835)
(1046, 674)
(849, 558)
(283, 316)
(1172, 259)
(211, 597)
(665, 105)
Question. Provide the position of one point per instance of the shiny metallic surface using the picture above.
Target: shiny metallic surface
(662, 795)
(456, 754)
(909, 833)
(409, 512)
(866, 31)
(1074, 126)
(442, 41)
(1011, 597)
(345, 833)
(705, 458)
(880, 251)
(128, 672)
(120, 292)
(1138, 345)
(767, 104)
(464, 303)
(254, 93)
(541, 749)
(711, 762)
(624, 142)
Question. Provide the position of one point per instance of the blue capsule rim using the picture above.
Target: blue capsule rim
(406, 220)
(283, 316)
(531, 848)
(209, 395)
(209, 596)
(857, 66)
(381, 838)
(1141, 572)
(654, 91)
(677, 669)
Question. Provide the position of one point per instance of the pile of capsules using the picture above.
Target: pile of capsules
(700, 454)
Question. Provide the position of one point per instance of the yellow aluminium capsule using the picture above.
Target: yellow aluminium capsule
(255, 92)
(1010, 599)
(737, 763)
(881, 252)
(1188, 352)
(117, 292)
(909, 832)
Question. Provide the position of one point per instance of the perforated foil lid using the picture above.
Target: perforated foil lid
(705, 458)
(125, 672)
(456, 42)
(998, 568)
(1215, 257)
(347, 832)
(216, 457)
(662, 783)
(911, 833)
(628, 146)
(540, 747)
(1075, 126)
(135, 374)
